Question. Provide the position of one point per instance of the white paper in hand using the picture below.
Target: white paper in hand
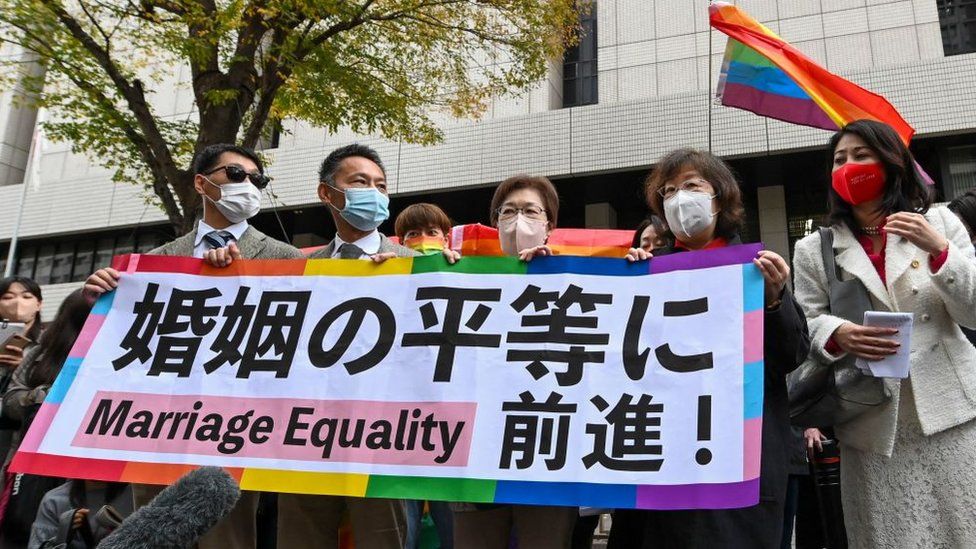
(895, 365)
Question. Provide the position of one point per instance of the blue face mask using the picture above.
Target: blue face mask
(365, 209)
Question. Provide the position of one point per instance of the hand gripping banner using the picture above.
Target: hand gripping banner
(564, 381)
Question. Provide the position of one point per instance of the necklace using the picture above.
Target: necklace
(872, 231)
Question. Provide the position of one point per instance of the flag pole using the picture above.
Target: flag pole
(708, 92)
(29, 175)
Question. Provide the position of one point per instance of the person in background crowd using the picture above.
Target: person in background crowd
(907, 474)
(799, 467)
(25, 393)
(525, 210)
(20, 301)
(964, 206)
(72, 503)
(700, 199)
(229, 180)
(42, 363)
(352, 185)
(424, 228)
(652, 234)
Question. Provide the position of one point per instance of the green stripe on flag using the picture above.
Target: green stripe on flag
(435, 263)
(744, 54)
(444, 489)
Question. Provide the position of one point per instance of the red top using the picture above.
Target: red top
(878, 260)
(718, 242)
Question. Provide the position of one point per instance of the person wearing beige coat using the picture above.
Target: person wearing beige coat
(907, 476)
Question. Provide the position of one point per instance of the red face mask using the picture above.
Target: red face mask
(859, 183)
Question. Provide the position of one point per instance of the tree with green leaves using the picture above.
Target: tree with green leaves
(375, 66)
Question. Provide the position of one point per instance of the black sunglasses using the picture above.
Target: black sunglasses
(236, 174)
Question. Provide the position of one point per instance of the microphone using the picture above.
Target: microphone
(179, 515)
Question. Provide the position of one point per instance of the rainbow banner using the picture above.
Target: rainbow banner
(481, 240)
(562, 381)
(764, 74)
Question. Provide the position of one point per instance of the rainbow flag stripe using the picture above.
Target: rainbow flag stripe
(764, 74)
(30, 458)
(480, 240)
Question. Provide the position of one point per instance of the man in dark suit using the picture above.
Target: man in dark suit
(352, 185)
(230, 180)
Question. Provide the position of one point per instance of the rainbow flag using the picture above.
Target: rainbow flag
(764, 74)
(480, 240)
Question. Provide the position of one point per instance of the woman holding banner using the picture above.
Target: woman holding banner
(525, 210)
(907, 477)
(700, 199)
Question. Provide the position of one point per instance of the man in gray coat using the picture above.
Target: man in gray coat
(352, 185)
(230, 180)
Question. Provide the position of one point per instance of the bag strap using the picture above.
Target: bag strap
(827, 251)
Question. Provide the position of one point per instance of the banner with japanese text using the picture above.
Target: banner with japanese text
(563, 381)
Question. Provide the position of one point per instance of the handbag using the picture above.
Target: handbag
(828, 394)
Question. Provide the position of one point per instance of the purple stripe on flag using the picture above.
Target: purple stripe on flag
(787, 109)
(733, 495)
(718, 257)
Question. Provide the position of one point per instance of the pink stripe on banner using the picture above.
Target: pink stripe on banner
(457, 237)
(345, 431)
(780, 107)
(751, 448)
(733, 495)
(752, 336)
(87, 336)
(42, 421)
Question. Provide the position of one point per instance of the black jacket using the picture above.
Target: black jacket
(786, 344)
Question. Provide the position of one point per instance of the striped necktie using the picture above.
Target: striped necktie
(218, 239)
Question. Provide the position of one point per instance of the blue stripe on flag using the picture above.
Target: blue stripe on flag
(752, 393)
(64, 380)
(768, 79)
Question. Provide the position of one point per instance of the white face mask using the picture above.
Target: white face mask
(689, 213)
(238, 201)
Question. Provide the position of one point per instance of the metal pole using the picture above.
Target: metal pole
(9, 269)
(28, 180)
(708, 92)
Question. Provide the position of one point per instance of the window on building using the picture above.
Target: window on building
(959, 173)
(26, 256)
(84, 255)
(958, 21)
(63, 262)
(270, 137)
(579, 64)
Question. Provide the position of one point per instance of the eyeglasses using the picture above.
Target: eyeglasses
(236, 174)
(532, 212)
(690, 185)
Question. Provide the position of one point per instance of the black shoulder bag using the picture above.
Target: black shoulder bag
(824, 395)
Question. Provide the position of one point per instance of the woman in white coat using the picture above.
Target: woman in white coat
(908, 477)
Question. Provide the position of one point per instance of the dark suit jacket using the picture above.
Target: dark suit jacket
(786, 344)
(385, 246)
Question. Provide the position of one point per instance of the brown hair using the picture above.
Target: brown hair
(545, 188)
(713, 169)
(419, 217)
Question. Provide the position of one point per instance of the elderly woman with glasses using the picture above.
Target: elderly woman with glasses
(524, 209)
(699, 197)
